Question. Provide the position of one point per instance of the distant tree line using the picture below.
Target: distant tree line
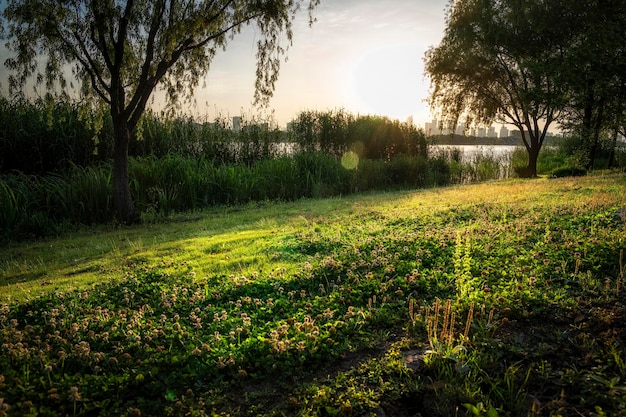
(40, 137)
(370, 137)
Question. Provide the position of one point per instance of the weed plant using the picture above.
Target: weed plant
(482, 164)
(160, 135)
(494, 299)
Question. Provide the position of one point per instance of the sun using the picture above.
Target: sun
(386, 81)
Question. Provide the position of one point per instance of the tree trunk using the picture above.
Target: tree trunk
(611, 161)
(532, 146)
(533, 156)
(597, 128)
(122, 199)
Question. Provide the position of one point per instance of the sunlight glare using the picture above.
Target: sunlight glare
(385, 81)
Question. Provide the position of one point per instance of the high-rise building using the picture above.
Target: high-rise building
(428, 128)
(460, 129)
(236, 123)
(433, 128)
(504, 132)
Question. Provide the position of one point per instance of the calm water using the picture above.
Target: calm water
(468, 152)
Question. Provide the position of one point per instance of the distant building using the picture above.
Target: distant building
(437, 127)
(504, 132)
(460, 129)
(236, 123)
(481, 132)
(433, 128)
(491, 133)
(515, 134)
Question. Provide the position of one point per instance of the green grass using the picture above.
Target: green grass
(503, 298)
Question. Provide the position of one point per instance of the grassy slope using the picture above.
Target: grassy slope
(235, 239)
(537, 262)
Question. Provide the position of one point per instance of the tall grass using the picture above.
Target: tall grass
(42, 136)
(481, 164)
(160, 135)
(34, 206)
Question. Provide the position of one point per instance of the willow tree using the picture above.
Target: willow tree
(499, 61)
(122, 50)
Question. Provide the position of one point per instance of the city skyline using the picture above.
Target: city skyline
(434, 127)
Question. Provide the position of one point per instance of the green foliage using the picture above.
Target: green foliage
(370, 137)
(491, 299)
(161, 135)
(181, 165)
(121, 54)
(37, 206)
(593, 62)
(499, 60)
(481, 165)
(44, 136)
(569, 172)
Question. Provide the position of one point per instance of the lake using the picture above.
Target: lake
(469, 152)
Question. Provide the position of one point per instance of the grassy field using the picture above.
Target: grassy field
(503, 298)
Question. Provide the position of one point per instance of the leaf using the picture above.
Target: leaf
(461, 367)
(472, 408)
(170, 396)
(492, 412)
(331, 411)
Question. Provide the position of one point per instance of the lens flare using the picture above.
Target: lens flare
(350, 160)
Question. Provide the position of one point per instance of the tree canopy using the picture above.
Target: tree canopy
(122, 50)
(532, 63)
(595, 72)
(499, 61)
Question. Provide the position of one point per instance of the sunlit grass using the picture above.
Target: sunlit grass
(241, 240)
(504, 297)
(217, 241)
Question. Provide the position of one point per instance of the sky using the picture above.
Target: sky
(363, 56)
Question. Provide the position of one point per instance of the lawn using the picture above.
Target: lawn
(502, 298)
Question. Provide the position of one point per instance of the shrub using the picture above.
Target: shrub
(569, 172)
